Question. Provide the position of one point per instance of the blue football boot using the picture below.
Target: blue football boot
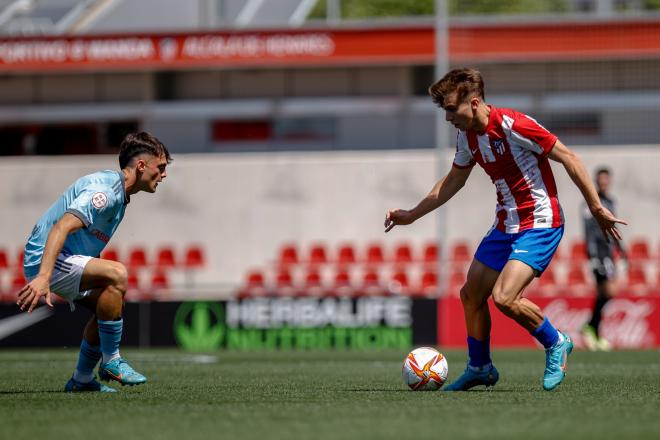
(555, 363)
(119, 370)
(73, 386)
(470, 379)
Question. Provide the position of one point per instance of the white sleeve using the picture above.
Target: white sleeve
(463, 157)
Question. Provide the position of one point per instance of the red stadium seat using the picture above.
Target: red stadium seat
(194, 257)
(636, 276)
(318, 255)
(639, 251)
(254, 285)
(403, 254)
(374, 254)
(20, 259)
(431, 253)
(312, 279)
(342, 285)
(456, 280)
(577, 283)
(137, 258)
(288, 255)
(370, 277)
(461, 252)
(429, 283)
(165, 257)
(18, 281)
(346, 255)
(546, 285)
(284, 283)
(284, 279)
(110, 253)
(576, 276)
(371, 284)
(578, 251)
(4, 263)
(133, 281)
(399, 282)
(255, 279)
(159, 280)
(548, 278)
(312, 286)
(342, 278)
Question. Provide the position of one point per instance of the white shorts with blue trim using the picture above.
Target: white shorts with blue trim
(67, 275)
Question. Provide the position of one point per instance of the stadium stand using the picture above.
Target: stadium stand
(406, 275)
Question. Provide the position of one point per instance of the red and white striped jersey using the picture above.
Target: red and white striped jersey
(513, 152)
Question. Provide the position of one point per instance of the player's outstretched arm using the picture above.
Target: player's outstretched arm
(442, 191)
(40, 286)
(578, 174)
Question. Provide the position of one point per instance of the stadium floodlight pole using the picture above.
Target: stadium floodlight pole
(441, 136)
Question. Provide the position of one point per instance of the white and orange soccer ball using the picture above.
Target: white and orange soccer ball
(424, 369)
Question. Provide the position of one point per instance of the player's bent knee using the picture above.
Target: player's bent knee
(119, 276)
(503, 299)
(470, 298)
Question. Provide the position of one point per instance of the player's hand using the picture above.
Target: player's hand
(32, 291)
(607, 223)
(398, 217)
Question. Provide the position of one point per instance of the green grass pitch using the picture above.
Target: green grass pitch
(331, 395)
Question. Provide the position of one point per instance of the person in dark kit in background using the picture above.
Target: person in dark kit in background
(601, 259)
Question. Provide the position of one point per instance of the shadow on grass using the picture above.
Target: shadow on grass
(384, 390)
(31, 391)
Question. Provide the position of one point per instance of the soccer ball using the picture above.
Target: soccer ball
(424, 369)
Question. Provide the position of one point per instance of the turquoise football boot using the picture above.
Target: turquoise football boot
(73, 386)
(470, 379)
(555, 363)
(119, 370)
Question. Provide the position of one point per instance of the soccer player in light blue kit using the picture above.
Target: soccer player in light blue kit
(62, 256)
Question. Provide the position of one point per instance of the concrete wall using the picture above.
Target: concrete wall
(243, 207)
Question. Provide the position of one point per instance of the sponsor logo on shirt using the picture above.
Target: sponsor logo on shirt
(100, 235)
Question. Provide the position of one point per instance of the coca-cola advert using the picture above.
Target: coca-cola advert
(629, 322)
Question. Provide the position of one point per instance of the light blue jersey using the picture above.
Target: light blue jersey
(98, 200)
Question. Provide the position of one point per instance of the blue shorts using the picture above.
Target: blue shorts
(534, 247)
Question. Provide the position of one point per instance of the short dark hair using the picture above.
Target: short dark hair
(463, 82)
(602, 170)
(138, 143)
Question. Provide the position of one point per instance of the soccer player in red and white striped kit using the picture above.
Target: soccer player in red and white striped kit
(513, 149)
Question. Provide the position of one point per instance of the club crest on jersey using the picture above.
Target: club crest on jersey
(499, 146)
(99, 200)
